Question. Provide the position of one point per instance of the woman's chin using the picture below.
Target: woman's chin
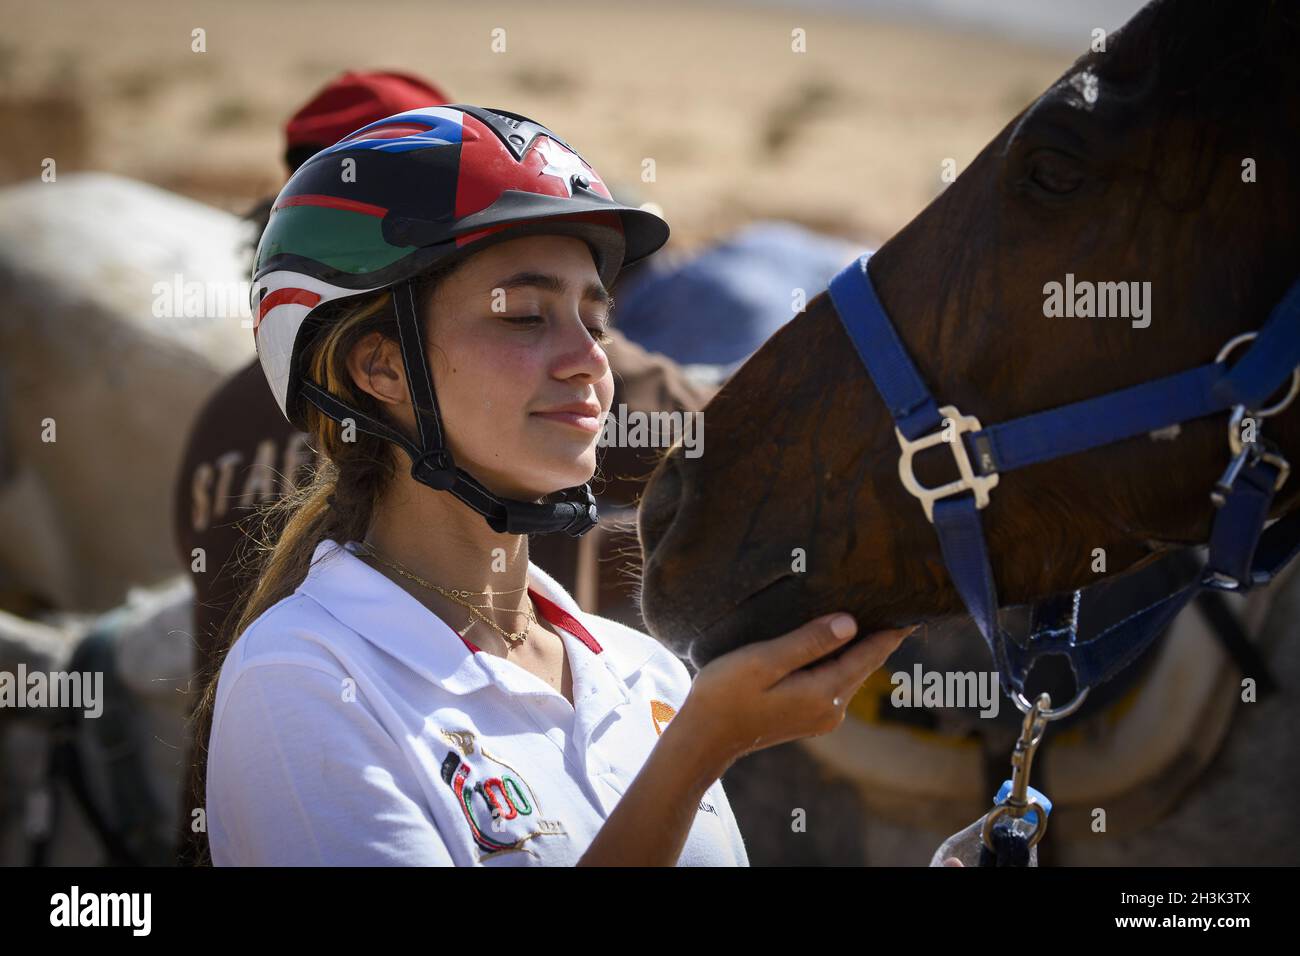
(549, 481)
(559, 465)
(573, 478)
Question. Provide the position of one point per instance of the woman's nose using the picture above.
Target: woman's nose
(581, 355)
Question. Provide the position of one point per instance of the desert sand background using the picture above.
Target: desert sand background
(847, 137)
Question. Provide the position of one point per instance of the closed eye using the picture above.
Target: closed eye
(1054, 172)
(598, 332)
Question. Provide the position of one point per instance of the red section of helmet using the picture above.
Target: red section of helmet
(487, 169)
(333, 202)
(284, 297)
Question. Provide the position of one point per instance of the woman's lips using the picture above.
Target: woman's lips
(582, 420)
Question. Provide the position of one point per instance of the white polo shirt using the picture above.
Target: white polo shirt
(353, 726)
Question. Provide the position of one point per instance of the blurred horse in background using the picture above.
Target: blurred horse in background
(110, 340)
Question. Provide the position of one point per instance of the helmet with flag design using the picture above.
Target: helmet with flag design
(383, 205)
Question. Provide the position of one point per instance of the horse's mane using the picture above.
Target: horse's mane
(1204, 51)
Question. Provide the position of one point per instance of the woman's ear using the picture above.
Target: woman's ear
(376, 367)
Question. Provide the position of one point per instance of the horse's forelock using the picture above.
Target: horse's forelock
(1203, 47)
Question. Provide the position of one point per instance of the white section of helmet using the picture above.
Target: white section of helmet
(277, 330)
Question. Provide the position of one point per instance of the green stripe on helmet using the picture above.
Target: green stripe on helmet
(348, 241)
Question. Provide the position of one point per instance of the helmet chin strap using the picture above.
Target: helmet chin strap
(431, 461)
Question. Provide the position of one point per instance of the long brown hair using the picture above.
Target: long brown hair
(336, 500)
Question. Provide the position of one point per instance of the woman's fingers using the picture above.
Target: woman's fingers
(777, 690)
(817, 698)
(860, 660)
(803, 645)
(842, 676)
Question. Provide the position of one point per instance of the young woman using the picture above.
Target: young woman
(406, 688)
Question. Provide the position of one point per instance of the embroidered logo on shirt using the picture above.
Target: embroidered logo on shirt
(661, 713)
(462, 740)
(499, 806)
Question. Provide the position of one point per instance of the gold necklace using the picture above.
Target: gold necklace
(458, 595)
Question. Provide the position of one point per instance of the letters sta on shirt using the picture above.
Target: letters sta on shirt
(499, 806)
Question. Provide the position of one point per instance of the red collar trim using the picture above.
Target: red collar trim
(557, 616)
(562, 618)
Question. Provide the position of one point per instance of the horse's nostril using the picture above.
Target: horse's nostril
(659, 504)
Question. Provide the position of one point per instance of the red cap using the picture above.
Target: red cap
(355, 99)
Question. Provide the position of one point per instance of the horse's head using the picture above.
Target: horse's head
(1169, 162)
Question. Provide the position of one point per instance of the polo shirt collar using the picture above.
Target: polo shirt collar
(622, 658)
(369, 603)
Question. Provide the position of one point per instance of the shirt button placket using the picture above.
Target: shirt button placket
(598, 770)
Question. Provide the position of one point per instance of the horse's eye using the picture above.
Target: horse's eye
(1054, 172)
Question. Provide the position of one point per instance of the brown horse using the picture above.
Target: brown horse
(1172, 158)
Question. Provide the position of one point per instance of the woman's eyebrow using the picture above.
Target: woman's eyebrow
(593, 291)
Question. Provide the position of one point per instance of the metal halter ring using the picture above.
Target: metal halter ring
(1295, 376)
(1025, 706)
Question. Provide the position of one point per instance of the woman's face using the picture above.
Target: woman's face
(514, 341)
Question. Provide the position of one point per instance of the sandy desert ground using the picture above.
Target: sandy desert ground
(848, 136)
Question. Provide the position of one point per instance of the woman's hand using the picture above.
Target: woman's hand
(764, 694)
(749, 699)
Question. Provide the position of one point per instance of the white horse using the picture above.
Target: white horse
(102, 368)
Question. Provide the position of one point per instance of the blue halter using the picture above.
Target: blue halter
(1242, 553)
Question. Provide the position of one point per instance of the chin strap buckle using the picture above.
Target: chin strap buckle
(435, 469)
(585, 516)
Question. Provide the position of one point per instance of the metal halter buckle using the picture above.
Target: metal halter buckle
(969, 481)
(1243, 452)
(1257, 450)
